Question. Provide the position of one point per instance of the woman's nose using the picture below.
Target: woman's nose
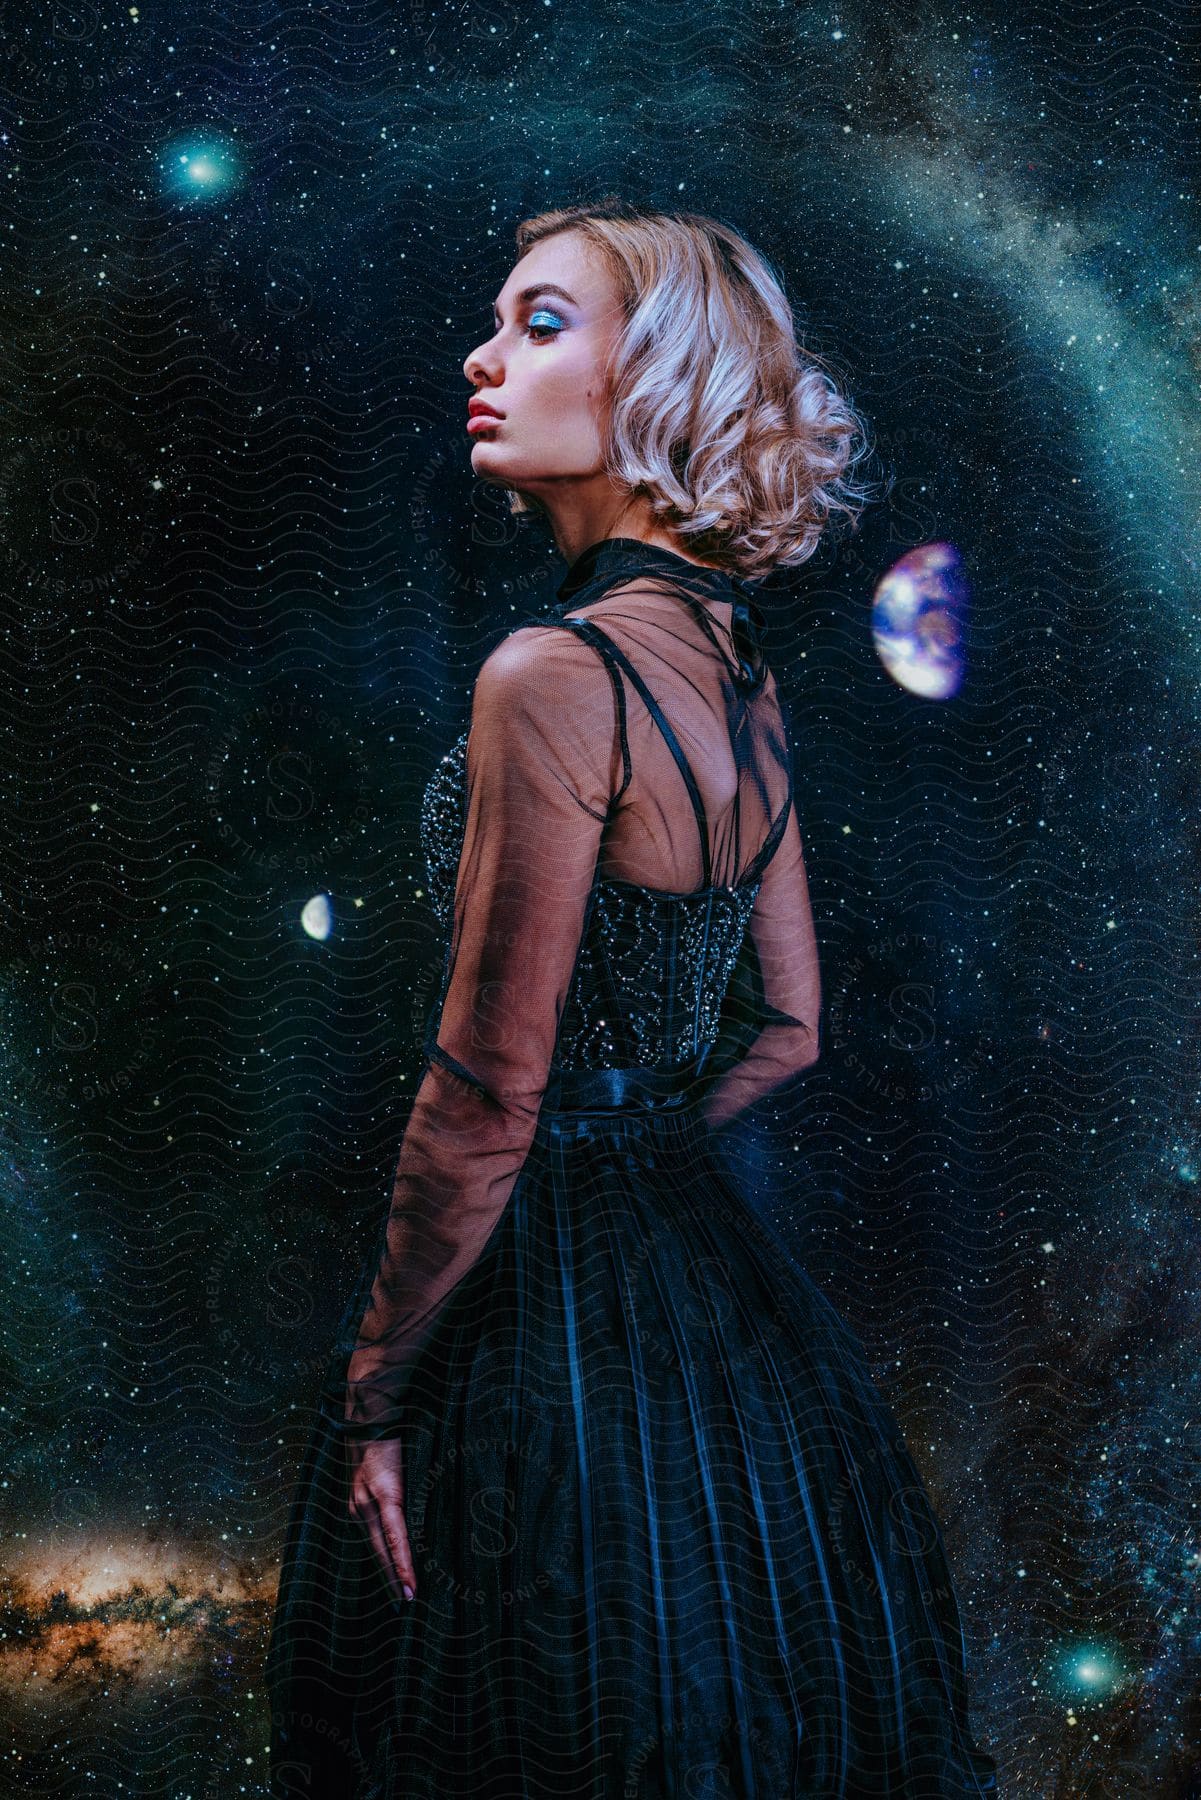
(478, 368)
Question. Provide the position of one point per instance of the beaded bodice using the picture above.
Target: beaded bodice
(653, 967)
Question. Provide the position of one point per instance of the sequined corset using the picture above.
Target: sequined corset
(653, 967)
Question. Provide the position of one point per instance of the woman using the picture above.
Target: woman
(603, 1500)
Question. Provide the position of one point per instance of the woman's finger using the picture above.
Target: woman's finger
(385, 1521)
(377, 1491)
(373, 1522)
(395, 1531)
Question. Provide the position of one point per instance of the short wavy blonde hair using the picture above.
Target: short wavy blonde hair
(742, 441)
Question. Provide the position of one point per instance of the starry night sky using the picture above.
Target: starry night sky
(248, 580)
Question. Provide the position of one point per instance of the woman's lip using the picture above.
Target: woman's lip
(479, 419)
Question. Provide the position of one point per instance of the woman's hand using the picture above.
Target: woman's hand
(377, 1491)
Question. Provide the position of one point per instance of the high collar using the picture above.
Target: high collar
(619, 556)
(602, 565)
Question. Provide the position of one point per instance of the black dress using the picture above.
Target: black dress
(668, 1537)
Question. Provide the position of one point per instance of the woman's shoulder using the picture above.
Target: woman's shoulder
(543, 699)
(540, 657)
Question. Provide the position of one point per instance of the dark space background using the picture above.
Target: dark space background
(248, 578)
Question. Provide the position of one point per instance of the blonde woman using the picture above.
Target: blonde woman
(603, 1501)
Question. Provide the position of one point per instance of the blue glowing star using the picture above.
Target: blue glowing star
(1090, 1672)
(200, 168)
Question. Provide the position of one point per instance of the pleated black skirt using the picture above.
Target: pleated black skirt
(669, 1540)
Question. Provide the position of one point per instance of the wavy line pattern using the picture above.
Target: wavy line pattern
(248, 582)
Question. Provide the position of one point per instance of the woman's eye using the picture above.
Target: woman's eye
(540, 321)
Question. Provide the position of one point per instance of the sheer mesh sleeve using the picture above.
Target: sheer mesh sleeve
(781, 930)
(541, 771)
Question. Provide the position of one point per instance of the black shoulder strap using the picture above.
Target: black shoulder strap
(609, 649)
(582, 629)
(777, 830)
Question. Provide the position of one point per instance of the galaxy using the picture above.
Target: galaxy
(249, 577)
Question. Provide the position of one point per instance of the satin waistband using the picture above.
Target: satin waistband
(625, 1090)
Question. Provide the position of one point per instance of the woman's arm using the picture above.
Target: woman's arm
(541, 769)
(781, 929)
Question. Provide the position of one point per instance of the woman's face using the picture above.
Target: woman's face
(542, 370)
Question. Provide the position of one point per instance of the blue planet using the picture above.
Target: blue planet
(919, 620)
